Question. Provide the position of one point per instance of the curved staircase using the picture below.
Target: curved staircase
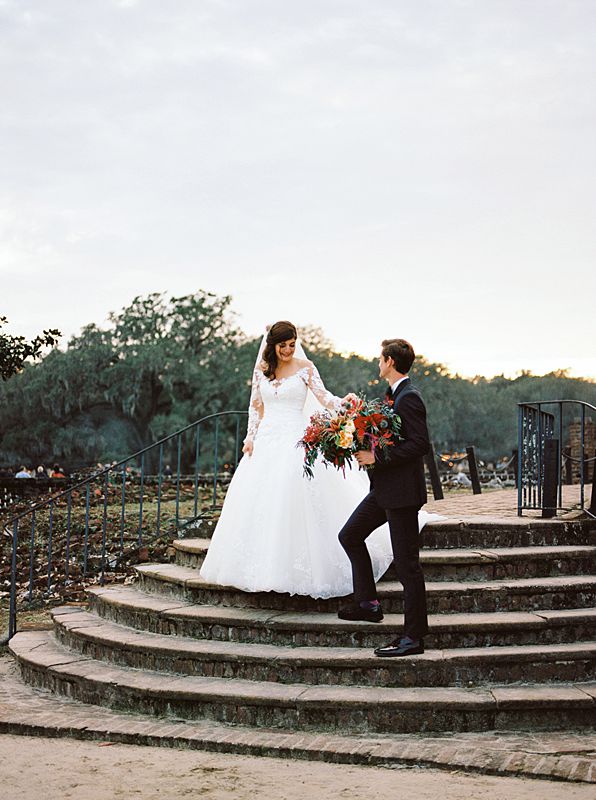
(512, 642)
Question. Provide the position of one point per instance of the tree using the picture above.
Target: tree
(160, 364)
(15, 350)
(163, 363)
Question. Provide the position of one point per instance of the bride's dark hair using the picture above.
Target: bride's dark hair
(281, 331)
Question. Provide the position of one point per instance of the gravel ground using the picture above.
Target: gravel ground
(56, 769)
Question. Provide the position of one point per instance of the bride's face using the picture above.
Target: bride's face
(285, 351)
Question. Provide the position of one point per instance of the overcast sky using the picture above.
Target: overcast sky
(414, 168)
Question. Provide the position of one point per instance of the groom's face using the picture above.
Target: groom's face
(385, 365)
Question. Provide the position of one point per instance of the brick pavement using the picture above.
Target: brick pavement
(557, 756)
(495, 503)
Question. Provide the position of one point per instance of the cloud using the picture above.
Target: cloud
(432, 160)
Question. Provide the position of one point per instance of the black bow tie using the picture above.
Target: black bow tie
(389, 394)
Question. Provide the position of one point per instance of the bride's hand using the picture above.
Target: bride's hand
(248, 447)
(350, 399)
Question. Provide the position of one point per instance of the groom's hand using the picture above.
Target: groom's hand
(364, 457)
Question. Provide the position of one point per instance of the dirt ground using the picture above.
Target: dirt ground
(57, 769)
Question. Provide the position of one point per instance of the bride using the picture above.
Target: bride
(277, 530)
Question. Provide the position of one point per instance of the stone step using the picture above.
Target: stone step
(96, 638)
(461, 564)
(482, 532)
(44, 662)
(442, 596)
(489, 532)
(554, 755)
(127, 605)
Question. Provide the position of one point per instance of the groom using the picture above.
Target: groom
(397, 492)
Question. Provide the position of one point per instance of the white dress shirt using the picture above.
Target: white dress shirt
(396, 384)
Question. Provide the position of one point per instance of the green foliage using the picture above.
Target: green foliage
(341, 374)
(461, 411)
(483, 411)
(15, 350)
(164, 363)
(159, 365)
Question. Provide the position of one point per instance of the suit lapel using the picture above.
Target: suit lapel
(399, 390)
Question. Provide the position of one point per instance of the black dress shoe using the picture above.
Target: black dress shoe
(401, 647)
(356, 612)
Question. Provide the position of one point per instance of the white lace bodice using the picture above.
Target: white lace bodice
(281, 402)
(278, 531)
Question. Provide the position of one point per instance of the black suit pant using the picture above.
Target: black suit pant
(403, 527)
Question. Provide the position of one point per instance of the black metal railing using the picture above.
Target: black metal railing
(86, 530)
(540, 446)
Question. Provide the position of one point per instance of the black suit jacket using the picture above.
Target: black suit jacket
(397, 478)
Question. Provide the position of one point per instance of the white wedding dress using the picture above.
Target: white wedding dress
(278, 530)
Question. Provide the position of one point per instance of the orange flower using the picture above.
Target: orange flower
(345, 439)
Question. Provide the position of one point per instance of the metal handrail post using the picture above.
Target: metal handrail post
(582, 475)
(12, 612)
(520, 463)
(592, 509)
(560, 470)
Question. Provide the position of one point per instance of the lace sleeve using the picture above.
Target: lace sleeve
(317, 387)
(256, 407)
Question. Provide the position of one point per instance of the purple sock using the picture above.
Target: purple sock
(370, 605)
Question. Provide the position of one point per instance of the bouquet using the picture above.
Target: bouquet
(360, 425)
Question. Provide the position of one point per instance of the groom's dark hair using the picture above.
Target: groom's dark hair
(401, 352)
